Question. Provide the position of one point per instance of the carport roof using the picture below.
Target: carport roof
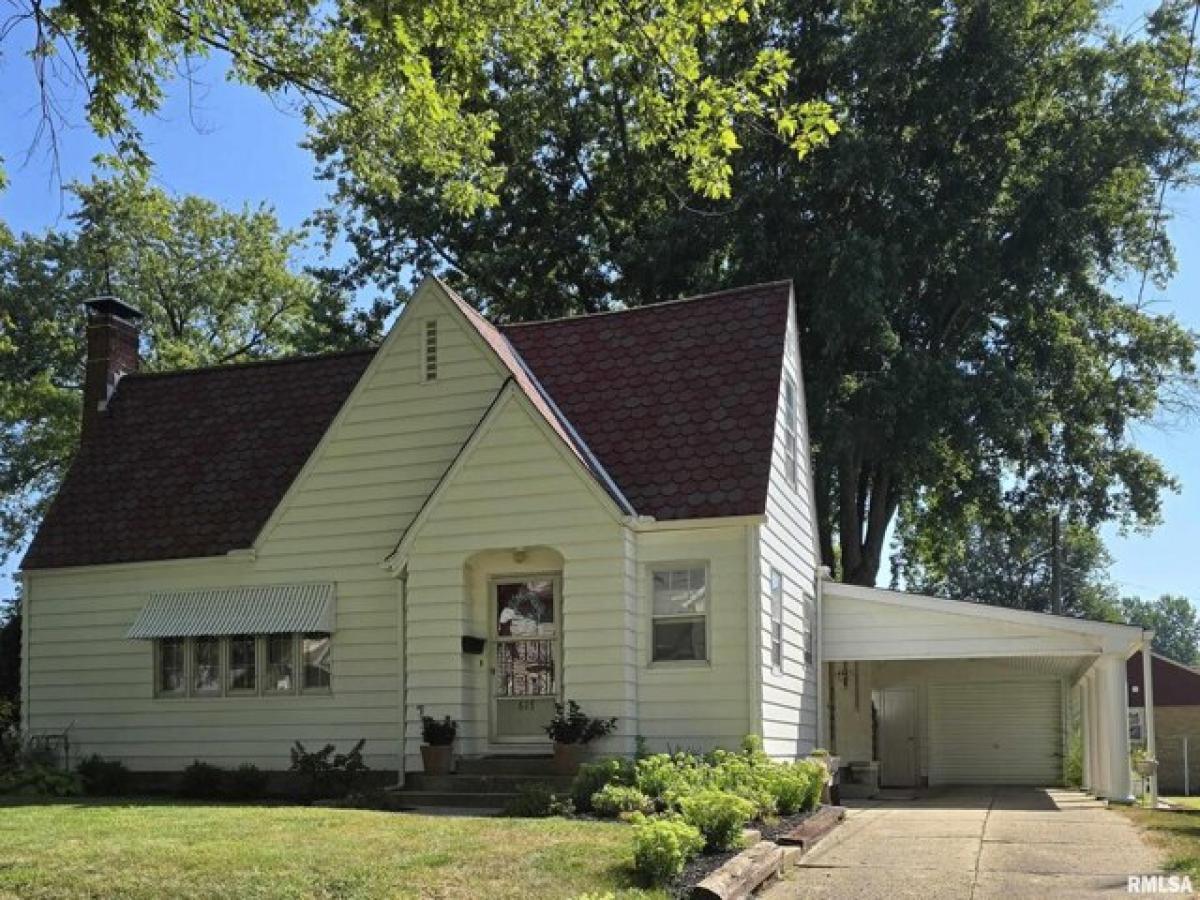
(862, 623)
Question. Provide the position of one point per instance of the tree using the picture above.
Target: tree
(215, 287)
(10, 663)
(1175, 624)
(1009, 564)
(386, 85)
(955, 249)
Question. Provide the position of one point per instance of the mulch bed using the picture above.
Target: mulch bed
(704, 865)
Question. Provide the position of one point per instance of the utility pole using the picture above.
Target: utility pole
(1056, 565)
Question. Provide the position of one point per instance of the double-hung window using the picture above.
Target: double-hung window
(679, 614)
(790, 450)
(206, 666)
(243, 668)
(281, 664)
(171, 678)
(776, 620)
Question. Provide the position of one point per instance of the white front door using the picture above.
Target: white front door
(898, 737)
(525, 656)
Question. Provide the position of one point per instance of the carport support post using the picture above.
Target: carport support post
(1085, 733)
(1114, 702)
(1148, 712)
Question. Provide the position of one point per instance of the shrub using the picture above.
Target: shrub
(666, 778)
(536, 801)
(438, 732)
(613, 799)
(571, 725)
(103, 777)
(591, 777)
(795, 787)
(247, 782)
(663, 846)
(719, 816)
(40, 781)
(202, 781)
(326, 773)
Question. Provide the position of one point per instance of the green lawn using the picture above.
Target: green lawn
(1187, 802)
(138, 848)
(1176, 831)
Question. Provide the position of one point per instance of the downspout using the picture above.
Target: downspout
(819, 659)
(1148, 707)
(402, 670)
(754, 628)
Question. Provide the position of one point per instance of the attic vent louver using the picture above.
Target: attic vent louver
(430, 368)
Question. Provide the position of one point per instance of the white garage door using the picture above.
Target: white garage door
(995, 733)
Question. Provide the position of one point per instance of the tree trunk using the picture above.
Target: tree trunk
(868, 497)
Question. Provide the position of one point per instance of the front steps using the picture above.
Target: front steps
(483, 785)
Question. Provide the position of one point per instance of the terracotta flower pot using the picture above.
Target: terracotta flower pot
(437, 759)
(567, 758)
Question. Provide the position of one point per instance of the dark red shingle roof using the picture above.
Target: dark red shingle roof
(676, 401)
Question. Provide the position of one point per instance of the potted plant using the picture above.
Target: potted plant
(572, 728)
(437, 753)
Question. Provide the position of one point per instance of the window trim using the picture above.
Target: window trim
(776, 593)
(653, 568)
(791, 438)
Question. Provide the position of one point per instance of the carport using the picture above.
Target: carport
(941, 692)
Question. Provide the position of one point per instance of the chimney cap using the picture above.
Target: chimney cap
(107, 305)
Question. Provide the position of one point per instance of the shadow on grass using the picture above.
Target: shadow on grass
(149, 800)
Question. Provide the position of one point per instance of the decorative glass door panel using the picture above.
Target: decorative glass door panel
(525, 661)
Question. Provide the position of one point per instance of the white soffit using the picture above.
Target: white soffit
(271, 609)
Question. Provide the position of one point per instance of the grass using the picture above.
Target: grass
(144, 848)
(1175, 831)
(1186, 802)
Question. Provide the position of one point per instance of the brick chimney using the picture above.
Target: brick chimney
(112, 351)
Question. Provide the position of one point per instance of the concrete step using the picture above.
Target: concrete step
(408, 799)
(484, 783)
(506, 765)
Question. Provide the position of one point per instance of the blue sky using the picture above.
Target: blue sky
(231, 144)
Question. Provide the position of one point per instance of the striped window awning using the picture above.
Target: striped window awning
(272, 609)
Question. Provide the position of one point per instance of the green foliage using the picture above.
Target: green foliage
(571, 725)
(795, 787)
(1073, 765)
(202, 781)
(216, 286)
(954, 249)
(536, 801)
(386, 89)
(663, 846)
(594, 776)
(614, 799)
(103, 777)
(10, 655)
(1005, 558)
(1175, 623)
(327, 773)
(438, 732)
(37, 780)
(246, 782)
(720, 816)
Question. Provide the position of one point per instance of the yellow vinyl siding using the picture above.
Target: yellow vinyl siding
(344, 514)
(787, 543)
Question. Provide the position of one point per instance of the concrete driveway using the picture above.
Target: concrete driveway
(974, 843)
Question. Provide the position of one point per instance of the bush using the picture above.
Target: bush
(796, 787)
(536, 801)
(719, 816)
(438, 732)
(613, 799)
(326, 774)
(103, 777)
(666, 778)
(40, 781)
(202, 781)
(571, 725)
(663, 846)
(247, 782)
(592, 777)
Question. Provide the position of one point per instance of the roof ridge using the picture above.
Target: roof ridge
(646, 307)
(251, 363)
